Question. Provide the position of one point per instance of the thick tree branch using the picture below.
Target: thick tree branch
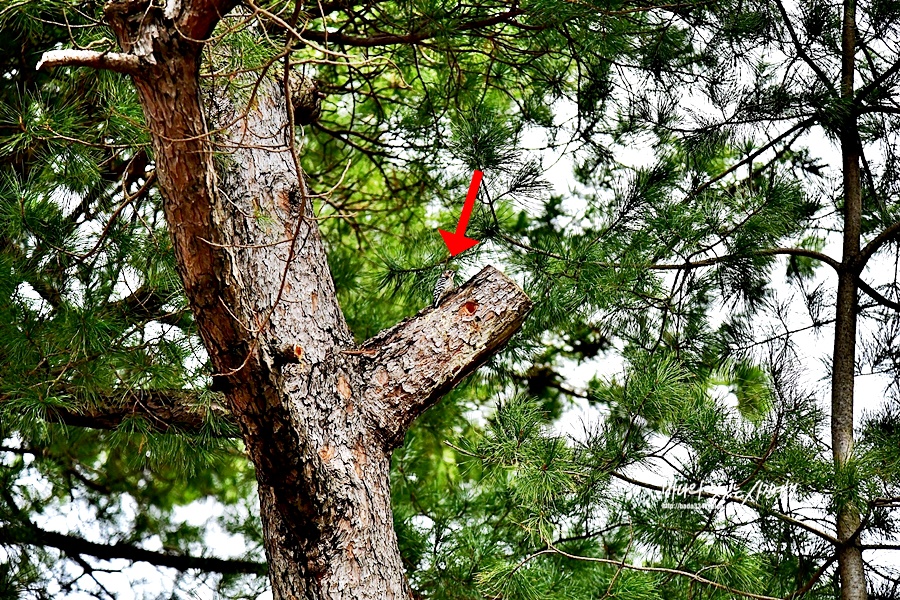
(821, 257)
(688, 265)
(801, 51)
(73, 546)
(753, 155)
(870, 87)
(869, 250)
(877, 296)
(422, 358)
(388, 39)
(164, 411)
(146, 304)
(112, 61)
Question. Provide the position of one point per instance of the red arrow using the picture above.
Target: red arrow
(458, 242)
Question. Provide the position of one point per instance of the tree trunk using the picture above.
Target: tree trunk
(319, 416)
(850, 562)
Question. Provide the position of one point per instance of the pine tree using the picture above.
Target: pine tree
(751, 80)
(170, 314)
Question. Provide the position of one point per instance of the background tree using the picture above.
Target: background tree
(670, 266)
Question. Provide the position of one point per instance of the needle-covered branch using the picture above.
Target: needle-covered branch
(164, 411)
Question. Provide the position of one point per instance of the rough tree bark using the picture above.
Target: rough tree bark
(319, 416)
(850, 562)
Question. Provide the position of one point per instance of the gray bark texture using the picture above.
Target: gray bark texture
(319, 416)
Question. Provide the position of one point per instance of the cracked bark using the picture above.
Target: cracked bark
(320, 430)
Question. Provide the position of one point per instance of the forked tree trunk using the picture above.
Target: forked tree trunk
(319, 416)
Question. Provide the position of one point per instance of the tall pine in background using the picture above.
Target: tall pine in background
(761, 208)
